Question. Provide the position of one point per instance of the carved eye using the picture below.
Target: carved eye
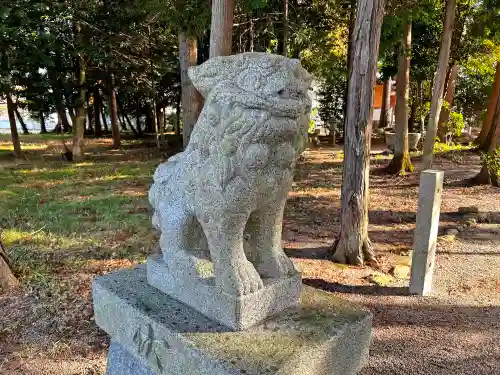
(281, 92)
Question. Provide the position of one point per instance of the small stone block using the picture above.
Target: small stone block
(324, 335)
(236, 312)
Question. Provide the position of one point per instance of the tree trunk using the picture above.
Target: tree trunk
(138, 117)
(191, 98)
(386, 104)
(401, 163)
(353, 245)
(221, 30)
(97, 113)
(126, 119)
(445, 111)
(285, 28)
(21, 121)
(61, 111)
(79, 124)
(251, 33)
(13, 126)
(43, 127)
(486, 176)
(7, 279)
(113, 111)
(482, 139)
(103, 117)
(439, 82)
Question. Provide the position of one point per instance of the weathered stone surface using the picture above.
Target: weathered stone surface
(468, 210)
(426, 231)
(232, 180)
(121, 362)
(236, 312)
(324, 335)
(452, 231)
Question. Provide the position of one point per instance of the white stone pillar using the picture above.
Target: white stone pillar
(426, 231)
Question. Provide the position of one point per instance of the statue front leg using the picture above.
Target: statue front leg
(234, 274)
(264, 243)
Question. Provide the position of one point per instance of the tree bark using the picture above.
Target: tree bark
(386, 104)
(191, 98)
(352, 15)
(97, 113)
(113, 111)
(353, 245)
(79, 124)
(7, 279)
(401, 163)
(446, 110)
(221, 30)
(439, 82)
(21, 121)
(43, 127)
(482, 138)
(13, 126)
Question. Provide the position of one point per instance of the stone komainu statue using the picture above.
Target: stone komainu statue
(225, 194)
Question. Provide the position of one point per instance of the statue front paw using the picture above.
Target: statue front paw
(239, 278)
(275, 265)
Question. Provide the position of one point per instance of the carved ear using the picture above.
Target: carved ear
(211, 72)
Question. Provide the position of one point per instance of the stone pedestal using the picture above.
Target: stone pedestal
(154, 334)
(236, 312)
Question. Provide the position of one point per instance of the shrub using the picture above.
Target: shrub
(491, 161)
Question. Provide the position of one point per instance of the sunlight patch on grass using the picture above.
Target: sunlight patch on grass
(4, 146)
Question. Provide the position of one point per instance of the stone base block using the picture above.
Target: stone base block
(236, 312)
(324, 335)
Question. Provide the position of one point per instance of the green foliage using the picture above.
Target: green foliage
(492, 161)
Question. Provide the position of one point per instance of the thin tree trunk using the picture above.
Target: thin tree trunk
(386, 104)
(251, 33)
(125, 117)
(401, 162)
(97, 113)
(7, 279)
(103, 117)
(61, 111)
(285, 27)
(21, 121)
(445, 111)
(43, 127)
(113, 111)
(221, 30)
(79, 124)
(353, 245)
(13, 126)
(439, 82)
(138, 116)
(191, 98)
(482, 139)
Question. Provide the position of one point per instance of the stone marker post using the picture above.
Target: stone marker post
(426, 231)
